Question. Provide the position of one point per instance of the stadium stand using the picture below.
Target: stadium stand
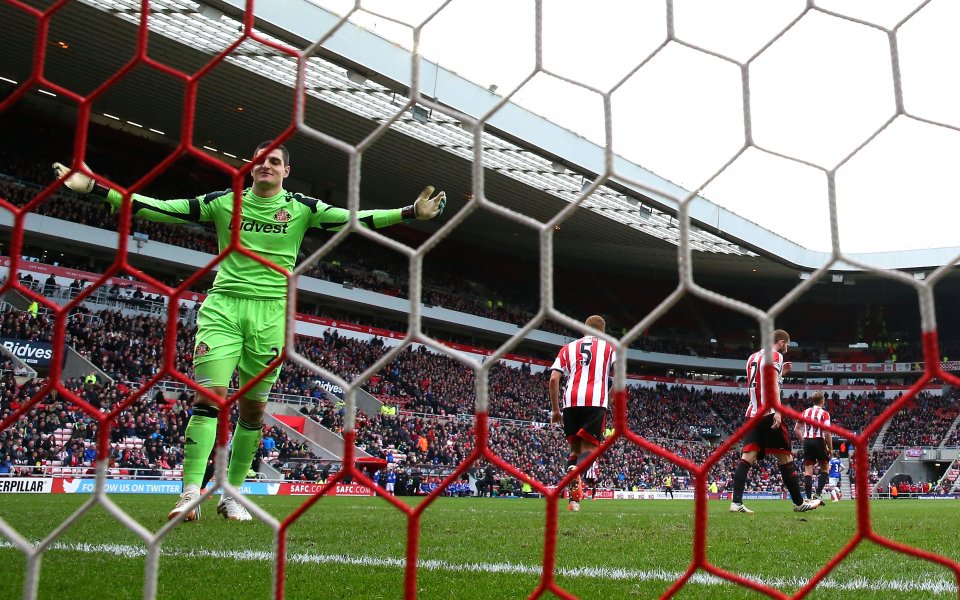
(924, 422)
(431, 390)
(953, 439)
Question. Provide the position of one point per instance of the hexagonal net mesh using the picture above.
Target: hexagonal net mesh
(481, 449)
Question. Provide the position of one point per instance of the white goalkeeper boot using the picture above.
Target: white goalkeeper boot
(232, 510)
(180, 511)
(808, 505)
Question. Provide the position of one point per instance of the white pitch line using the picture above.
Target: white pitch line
(932, 586)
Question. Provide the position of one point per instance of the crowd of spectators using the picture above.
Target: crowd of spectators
(130, 349)
(674, 412)
(953, 440)
(854, 411)
(278, 449)
(54, 431)
(432, 388)
(537, 450)
(924, 421)
(880, 461)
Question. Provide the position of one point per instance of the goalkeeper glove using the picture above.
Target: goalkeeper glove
(77, 181)
(426, 208)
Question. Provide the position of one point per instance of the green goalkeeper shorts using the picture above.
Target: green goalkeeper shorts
(239, 333)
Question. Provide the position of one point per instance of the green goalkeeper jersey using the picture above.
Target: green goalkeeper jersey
(273, 228)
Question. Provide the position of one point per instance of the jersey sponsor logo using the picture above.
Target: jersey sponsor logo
(202, 348)
(247, 225)
(282, 216)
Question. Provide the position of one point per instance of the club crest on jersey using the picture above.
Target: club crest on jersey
(281, 216)
(202, 349)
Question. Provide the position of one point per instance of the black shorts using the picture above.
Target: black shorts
(764, 439)
(814, 451)
(585, 423)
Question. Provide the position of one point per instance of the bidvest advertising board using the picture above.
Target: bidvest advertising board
(35, 354)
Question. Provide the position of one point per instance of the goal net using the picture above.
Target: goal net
(296, 67)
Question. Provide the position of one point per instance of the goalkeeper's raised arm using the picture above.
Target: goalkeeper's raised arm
(163, 211)
(273, 222)
(268, 177)
(332, 218)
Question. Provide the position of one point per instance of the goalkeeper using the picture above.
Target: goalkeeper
(241, 324)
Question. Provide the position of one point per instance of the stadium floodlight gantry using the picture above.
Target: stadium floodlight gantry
(297, 56)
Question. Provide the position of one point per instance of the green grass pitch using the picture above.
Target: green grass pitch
(481, 548)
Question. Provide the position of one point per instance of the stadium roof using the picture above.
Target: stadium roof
(358, 81)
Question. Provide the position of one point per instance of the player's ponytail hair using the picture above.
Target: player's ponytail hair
(597, 322)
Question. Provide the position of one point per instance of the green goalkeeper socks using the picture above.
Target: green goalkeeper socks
(200, 435)
(246, 440)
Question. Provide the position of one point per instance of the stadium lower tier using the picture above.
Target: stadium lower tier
(54, 437)
(431, 387)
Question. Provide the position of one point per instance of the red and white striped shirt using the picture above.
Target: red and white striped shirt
(820, 416)
(755, 369)
(586, 364)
